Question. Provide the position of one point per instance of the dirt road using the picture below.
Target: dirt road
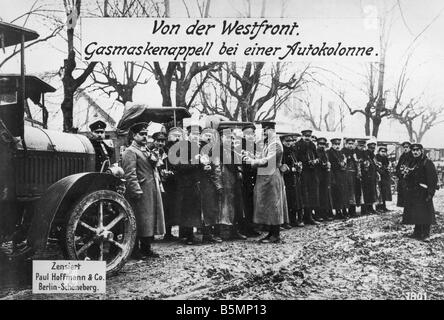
(363, 258)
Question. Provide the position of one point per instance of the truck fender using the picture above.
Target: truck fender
(58, 198)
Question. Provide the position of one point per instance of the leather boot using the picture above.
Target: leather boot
(273, 236)
(136, 254)
(352, 211)
(364, 210)
(318, 215)
(309, 217)
(300, 221)
(371, 210)
(145, 247)
(329, 215)
(235, 234)
(339, 215)
(416, 232)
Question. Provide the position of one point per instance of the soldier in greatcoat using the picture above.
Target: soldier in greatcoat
(306, 151)
(359, 151)
(143, 190)
(248, 180)
(183, 155)
(270, 201)
(324, 173)
(161, 145)
(369, 179)
(211, 187)
(232, 209)
(338, 171)
(421, 183)
(402, 164)
(352, 173)
(291, 170)
(385, 183)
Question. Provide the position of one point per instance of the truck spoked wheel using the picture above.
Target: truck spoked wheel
(100, 226)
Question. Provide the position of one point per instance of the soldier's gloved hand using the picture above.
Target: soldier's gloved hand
(247, 160)
(207, 167)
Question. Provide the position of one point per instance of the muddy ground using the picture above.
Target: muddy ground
(368, 257)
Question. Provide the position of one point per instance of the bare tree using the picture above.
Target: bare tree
(258, 89)
(377, 107)
(418, 119)
(182, 73)
(320, 118)
(121, 79)
(70, 83)
(252, 87)
(35, 11)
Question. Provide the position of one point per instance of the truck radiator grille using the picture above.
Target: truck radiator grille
(35, 173)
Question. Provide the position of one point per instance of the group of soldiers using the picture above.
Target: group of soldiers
(229, 186)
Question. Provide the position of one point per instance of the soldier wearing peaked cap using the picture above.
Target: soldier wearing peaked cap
(369, 179)
(232, 210)
(248, 180)
(385, 183)
(292, 178)
(194, 131)
(323, 212)
(421, 183)
(183, 156)
(143, 191)
(211, 186)
(359, 151)
(338, 172)
(160, 147)
(307, 154)
(270, 201)
(102, 150)
(352, 174)
(402, 164)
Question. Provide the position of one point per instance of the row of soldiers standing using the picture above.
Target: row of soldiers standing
(325, 183)
(285, 183)
(291, 181)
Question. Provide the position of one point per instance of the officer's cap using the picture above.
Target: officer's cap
(249, 126)
(406, 144)
(416, 146)
(96, 125)
(194, 127)
(321, 140)
(138, 127)
(159, 136)
(268, 125)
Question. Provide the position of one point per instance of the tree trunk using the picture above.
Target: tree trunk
(71, 84)
(67, 104)
(165, 91)
(376, 124)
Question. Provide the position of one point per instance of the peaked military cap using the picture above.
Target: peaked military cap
(138, 127)
(159, 136)
(99, 124)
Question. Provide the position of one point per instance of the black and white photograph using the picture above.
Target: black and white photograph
(196, 150)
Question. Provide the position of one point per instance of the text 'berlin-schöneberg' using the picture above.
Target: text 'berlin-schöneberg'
(94, 50)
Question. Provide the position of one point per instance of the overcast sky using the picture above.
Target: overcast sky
(410, 17)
